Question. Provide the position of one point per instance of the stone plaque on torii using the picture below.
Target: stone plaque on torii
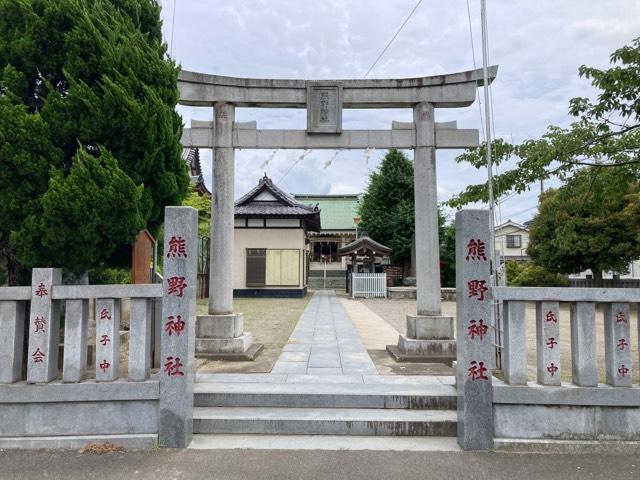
(428, 333)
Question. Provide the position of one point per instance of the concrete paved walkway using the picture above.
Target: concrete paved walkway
(324, 342)
(175, 463)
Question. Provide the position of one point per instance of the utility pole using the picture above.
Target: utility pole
(498, 274)
(487, 119)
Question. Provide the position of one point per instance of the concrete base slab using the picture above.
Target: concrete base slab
(248, 356)
(398, 356)
(323, 442)
(427, 348)
(426, 327)
(208, 346)
(526, 445)
(220, 326)
(75, 442)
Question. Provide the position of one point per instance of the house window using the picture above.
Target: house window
(514, 241)
(256, 267)
(273, 267)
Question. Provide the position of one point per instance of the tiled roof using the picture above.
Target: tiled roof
(336, 211)
(271, 208)
(191, 157)
(364, 243)
(283, 205)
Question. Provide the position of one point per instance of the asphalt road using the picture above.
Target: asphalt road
(285, 465)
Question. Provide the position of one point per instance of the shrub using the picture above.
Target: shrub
(109, 276)
(527, 274)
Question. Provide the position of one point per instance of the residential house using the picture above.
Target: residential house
(512, 240)
(270, 242)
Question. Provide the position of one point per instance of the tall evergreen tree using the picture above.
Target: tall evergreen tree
(387, 212)
(89, 138)
(387, 207)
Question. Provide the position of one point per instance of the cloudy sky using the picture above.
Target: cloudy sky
(538, 46)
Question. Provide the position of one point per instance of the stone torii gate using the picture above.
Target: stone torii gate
(429, 334)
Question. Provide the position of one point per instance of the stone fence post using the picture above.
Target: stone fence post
(177, 367)
(474, 330)
(44, 326)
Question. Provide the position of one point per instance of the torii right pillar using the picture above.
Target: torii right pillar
(430, 336)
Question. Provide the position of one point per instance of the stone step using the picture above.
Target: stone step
(432, 397)
(203, 441)
(325, 379)
(331, 283)
(324, 421)
(330, 273)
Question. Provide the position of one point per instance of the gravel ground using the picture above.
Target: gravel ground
(395, 311)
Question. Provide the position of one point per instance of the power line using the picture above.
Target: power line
(524, 211)
(393, 38)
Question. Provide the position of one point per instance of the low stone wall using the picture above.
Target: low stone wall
(448, 294)
(398, 293)
(269, 293)
(566, 413)
(71, 415)
(48, 396)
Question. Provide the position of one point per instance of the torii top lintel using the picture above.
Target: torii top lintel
(443, 91)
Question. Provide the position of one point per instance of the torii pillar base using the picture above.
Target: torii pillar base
(221, 337)
(429, 339)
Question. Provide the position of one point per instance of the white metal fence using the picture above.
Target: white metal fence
(368, 285)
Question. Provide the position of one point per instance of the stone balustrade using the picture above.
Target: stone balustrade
(47, 403)
(591, 407)
(42, 303)
(584, 365)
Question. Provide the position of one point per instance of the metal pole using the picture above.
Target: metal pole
(487, 119)
(492, 248)
(324, 283)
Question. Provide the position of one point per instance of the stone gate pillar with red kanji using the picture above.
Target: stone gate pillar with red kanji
(177, 368)
(475, 330)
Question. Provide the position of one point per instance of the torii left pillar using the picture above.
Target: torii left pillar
(220, 334)
(430, 336)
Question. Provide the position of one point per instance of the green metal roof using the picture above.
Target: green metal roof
(336, 211)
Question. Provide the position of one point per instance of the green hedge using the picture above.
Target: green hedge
(528, 274)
